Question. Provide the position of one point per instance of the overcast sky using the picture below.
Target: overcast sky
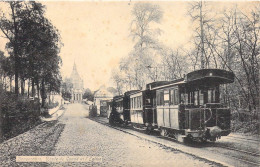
(96, 34)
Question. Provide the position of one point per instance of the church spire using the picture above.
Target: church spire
(74, 66)
(74, 73)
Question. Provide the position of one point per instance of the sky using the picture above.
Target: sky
(96, 34)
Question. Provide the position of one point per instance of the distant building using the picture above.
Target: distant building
(101, 95)
(78, 89)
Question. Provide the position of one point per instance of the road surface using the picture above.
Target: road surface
(84, 137)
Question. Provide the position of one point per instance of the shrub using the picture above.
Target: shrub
(17, 114)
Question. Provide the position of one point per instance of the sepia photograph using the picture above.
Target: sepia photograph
(129, 83)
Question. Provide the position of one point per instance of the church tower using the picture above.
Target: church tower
(78, 89)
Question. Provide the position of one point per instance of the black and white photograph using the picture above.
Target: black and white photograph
(129, 83)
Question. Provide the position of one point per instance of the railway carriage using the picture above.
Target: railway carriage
(121, 108)
(191, 107)
(185, 108)
(127, 105)
(136, 108)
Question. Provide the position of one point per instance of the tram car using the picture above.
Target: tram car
(186, 108)
(121, 108)
(191, 108)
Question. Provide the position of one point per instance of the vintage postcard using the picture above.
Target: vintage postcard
(129, 83)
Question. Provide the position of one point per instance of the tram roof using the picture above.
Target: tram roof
(118, 97)
(154, 85)
(211, 76)
(131, 92)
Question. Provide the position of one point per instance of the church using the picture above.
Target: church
(78, 88)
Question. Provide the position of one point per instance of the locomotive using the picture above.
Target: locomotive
(187, 108)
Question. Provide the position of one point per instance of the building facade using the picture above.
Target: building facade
(101, 95)
(78, 88)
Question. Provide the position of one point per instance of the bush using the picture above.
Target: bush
(51, 105)
(17, 114)
(244, 122)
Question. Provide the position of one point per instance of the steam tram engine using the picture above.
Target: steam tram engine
(186, 108)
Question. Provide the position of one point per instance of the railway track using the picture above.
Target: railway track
(241, 151)
(244, 152)
(243, 139)
(172, 139)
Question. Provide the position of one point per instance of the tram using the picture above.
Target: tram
(187, 108)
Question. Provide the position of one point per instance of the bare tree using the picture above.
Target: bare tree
(204, 32)
(247, 32)
(174, 64)
(144, 14)
(118, 79)
(135, 65)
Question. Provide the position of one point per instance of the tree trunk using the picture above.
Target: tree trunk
(28, 88)
(33, 90)
(15, 46)
(43, 94)
(10, 84)
(22, 86)
(202, 38)
(38, 88)
(5, 83)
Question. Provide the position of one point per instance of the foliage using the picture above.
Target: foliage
(134, 71)
(17, 114)
(88, 94)
(33, 45)
(112, 90)
(66, 89)
(52, 105)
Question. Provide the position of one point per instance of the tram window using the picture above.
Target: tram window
(166, 97)
(139, 102)
(160, 99)
(136, 102)
(196, 99)
(171, 96)
(174, 96)
(211, 96)
(201, 97)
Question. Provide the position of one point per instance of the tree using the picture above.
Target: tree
(118, 79)
(66, 88)
(10, 26)
(247, 32)
(88, 94)
(174, 64)
(144, 14)
(134, 67)
(34, 45)
(2, 59)
(205, 33)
